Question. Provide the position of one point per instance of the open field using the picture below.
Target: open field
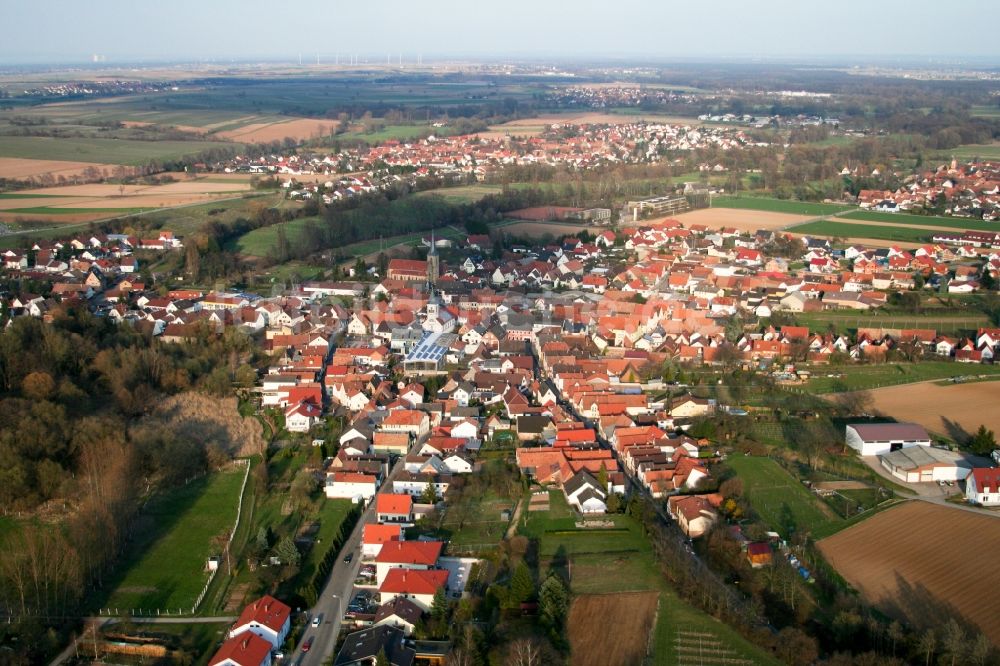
(852, 231)
(302, 128)
(921, 562)
(942, 320)
(779, 206)
(877, 375)
(741, 219)
(180, 526)
(988, 151)
(594, 641)
(464, 194)
(620, 562)
(949, 410)
(16, 168)
(551, 228)
(781, 500)
(925, 221)
(79, 203)
(102, 151)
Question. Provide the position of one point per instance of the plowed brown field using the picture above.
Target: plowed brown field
(611, 629)
(22, 168)
(921, 562)
(743, 220)
(938, 407)
(303, 128)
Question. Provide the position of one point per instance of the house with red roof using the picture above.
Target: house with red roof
(247, 649)
(406, 555)
(415, 585)
(374, 535)
(267, 617)
(393, 508)
(982, 486)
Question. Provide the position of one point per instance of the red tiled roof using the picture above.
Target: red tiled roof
(413, 581)
(411, 552)
(246, 649)
(393, 503)
(266, 611)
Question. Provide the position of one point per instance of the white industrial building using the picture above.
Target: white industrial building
(876, 439)
(925, 464)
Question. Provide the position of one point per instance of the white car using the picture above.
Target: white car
(316, 620)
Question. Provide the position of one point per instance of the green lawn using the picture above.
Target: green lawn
(331, 514)
(778, 205)
(167, 568)
(481, 526)
(102, 151)
(849, 230)
(781, 501)
(922, 220)
(864, 377)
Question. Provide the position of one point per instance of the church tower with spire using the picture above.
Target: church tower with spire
(433, 262)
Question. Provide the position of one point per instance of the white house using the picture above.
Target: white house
(983, 486)
(351, 485)
(267, 617)
(302, 417)
(585, 493)
(873, 439)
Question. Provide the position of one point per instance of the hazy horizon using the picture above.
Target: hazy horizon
(246, 31)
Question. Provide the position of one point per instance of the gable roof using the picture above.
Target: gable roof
(413, 581)
(266, 611)
(411, 552)
(245, 649)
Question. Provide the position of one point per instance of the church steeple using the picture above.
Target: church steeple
(433, 262)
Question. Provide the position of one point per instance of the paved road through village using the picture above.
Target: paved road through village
(336, 593)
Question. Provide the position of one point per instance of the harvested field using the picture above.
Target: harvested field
(18, 168)
(922, 562)
(941, 408)
(303, 128)
(596, 641)
(744, 220)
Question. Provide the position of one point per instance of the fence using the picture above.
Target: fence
(229, 542)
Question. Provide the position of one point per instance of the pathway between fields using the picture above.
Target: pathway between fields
(512, 528)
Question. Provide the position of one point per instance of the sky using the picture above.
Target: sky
(66, 31)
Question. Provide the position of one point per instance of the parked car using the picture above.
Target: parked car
(348, 558)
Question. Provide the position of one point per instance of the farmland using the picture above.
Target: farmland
(941, 319)
(781, 500)
(850, 230)
(619, 561)
(921, 562)
(741, 219)
(464, 194)
(891, 374)
(928, 221)
(779, 206)
(596, 642)
(19, 168)
(102, 151)
(953, 410)
(988, 151)
(179, 528)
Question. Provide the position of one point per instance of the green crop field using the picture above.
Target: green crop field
(780, 500)
(464, 194)
(849, 230)
(779, 205)
(102, 151)
(923, 220)
(943, 321)
(857, 378)
(49, 210)
(988, 151)
(166, 569)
